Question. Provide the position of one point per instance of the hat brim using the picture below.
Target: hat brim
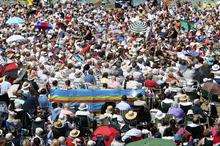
(160, 117)
(128, 117)
(84, 108)
(76, 134)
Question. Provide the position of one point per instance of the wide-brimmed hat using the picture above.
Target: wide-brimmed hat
(74, 133)
(58, 124)
(159, 115)
(83, 106)
(9, 136)
(38, 119)
(38, 131)
(215, 67)
(190, 112)
(183, 98)
(131, 115)
(25, 86)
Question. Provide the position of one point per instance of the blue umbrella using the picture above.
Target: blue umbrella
(15, 21)
(177, 112)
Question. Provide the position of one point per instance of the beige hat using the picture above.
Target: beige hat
(74, 133)
(131, 115)
(183, 98)
(58, 124)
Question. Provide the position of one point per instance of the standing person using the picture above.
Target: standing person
(216, 133)
(43, 99)
(123, 105)
(5, 85)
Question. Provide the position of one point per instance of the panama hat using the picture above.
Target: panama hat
(39, 131)
(25, 86)
(38, 119)
(83, 106)
(215, 67)
(131, 115)
(190, 112)
(74, 133)
(159, 115)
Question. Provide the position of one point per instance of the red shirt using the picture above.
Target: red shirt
(69, 141)
(150, 84)
(216, 138)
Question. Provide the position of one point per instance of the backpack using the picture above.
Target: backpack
(100, 141)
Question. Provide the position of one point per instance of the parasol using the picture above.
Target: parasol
(15, 21)
(108, 132)
(211, 88)
(15, 38)
(177, 112)
(43, 25)
(153, 142)
(138, 27)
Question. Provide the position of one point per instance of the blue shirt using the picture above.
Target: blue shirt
(90, 79)
(43, 101)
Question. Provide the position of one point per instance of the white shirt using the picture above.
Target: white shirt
(123, 106)
(83, 113)
(133, 132)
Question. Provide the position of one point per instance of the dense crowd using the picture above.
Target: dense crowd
(71, 45)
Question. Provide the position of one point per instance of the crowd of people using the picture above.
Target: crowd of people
(72, 45)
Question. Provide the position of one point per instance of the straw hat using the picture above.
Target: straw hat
(74, 133)
(131, 115)
(83, 106)
(183, 98)
(58, 124)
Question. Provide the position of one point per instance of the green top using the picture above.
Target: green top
(152, 142)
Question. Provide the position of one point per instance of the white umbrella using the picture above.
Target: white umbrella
(138, 27)
(15, 38)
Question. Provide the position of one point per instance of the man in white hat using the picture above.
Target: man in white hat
(83, 111)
